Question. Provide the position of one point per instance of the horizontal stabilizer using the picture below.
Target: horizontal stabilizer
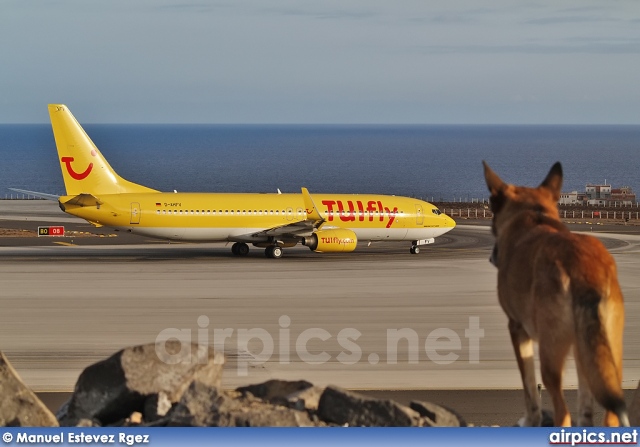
(41, 195)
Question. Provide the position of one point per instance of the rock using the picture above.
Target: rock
(87, 423)
(20, 407)
(307, 399)
(437, 416)
(275, 389)
(299, 394)
(63, 410)
(634, 408)
(135, 419)
(157, 406)
(206, 406)
(344, 407)
(173, 385)
(138, 377)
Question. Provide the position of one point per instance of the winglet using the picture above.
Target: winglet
(310, 207)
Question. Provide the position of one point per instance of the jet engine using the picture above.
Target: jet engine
(337, 240)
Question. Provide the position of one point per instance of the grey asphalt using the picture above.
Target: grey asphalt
(330, 319)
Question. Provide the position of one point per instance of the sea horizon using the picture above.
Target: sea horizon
(440, 162)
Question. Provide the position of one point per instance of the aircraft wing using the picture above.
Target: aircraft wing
(296, 229)
(299, 229)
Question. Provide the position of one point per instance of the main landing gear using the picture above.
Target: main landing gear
(415, 245)
(273, 251)
(240, 249)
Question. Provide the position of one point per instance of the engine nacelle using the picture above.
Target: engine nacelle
(338, 240)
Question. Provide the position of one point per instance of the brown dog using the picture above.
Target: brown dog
(560, 289)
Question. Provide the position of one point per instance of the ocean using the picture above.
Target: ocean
(436, 163)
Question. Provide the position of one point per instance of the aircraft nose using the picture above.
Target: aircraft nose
(449, 222)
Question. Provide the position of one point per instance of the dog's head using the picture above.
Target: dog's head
(507, 200)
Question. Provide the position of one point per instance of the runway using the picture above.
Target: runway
(379, 318)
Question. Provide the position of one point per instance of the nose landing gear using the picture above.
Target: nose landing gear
(415, 245)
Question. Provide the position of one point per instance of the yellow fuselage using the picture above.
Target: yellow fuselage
(234, 217)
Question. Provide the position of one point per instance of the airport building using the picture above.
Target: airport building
(599, 195)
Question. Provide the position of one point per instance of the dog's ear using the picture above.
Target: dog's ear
(494, 183)
(496, 188)
(553, 181)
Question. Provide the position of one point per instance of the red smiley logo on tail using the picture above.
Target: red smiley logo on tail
(77, 176)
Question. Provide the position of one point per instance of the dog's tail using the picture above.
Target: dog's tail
(599, 325)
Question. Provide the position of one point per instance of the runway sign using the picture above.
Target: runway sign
(50, 231)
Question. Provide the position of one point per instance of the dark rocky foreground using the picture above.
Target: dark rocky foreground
(151, 385)
(179, 385)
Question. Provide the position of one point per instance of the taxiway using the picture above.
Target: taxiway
(377, 318)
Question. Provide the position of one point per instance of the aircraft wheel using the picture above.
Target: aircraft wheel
(273, 251)
(242, 249)
(234, 248)
(414, 249)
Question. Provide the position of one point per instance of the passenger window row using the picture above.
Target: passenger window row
(228, 212)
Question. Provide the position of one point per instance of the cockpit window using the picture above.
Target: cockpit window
(436, 211)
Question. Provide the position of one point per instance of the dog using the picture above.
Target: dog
(559, 289)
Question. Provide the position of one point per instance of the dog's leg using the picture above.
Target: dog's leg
(523, 348)
(553, 351)
(585, 397)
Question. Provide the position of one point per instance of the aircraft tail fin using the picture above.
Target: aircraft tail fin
(84, 169)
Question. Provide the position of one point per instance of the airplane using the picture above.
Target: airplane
(326, 223)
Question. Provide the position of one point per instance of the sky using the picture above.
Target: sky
(322, 62)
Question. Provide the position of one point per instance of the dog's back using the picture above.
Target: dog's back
(560, 289)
